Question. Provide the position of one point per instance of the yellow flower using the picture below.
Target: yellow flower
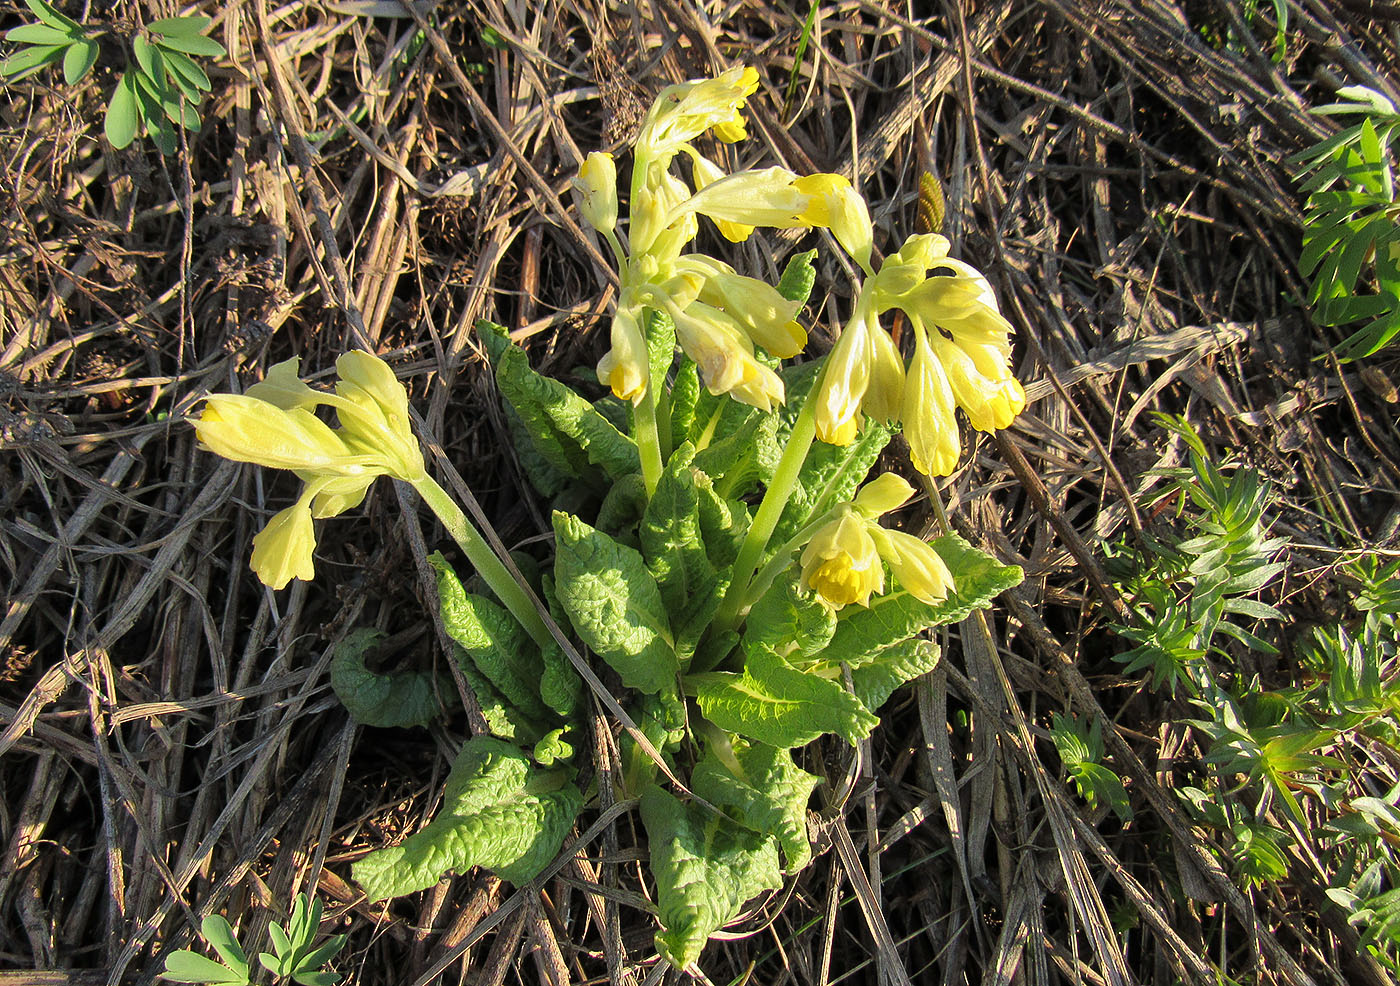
(929, 424)
(745, 199)
(919, 569)
(624, 368)
(841, 563)
(274, 425)
(724, 354)
(683, 112)
(864, 373)
(282, 550)
(837, 206)
(596, 191)
(705, 172)
(765, 315)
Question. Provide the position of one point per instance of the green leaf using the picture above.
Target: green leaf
(383, 700)
(191, 77)
(798, 277)
(497, 643)
(774, 703)
(319, 956)
(316, 978)
(498, 811)
(553, 747)
(614, 604)
(78, 61)
(27, 61)
(706, 867)
(52, 17)
(685, 393)
(660, 333)
(761, 788)
(180, 26)
(185, 966)
(745, 457)
(39, 34)
(788, 622)
(862, 634)
(152, 63)
(192, 44)
(875, 682)
(673, 543)
(561, 688)
(503, 719)
(1097, 784)
(123, 113)
(567, 431)
(724, 523)
(216, 930)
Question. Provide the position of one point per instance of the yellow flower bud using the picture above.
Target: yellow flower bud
(282, 550)
(682, 113)
(717, 343)
(916, 566)
(886, 492)
(595, 189)
(245, 429)
(842, 385)
(841, 563)
(929, 424)
(624, 368)
(373, 413)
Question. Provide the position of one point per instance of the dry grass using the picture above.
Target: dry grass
(170, 744)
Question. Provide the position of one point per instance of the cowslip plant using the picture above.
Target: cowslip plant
(720, 546)
(161, 88)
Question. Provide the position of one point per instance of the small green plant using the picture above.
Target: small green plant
(161, 87)
(294, 955)
(1351, 223)
(1080, 751)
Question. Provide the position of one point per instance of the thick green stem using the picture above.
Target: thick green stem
(775, 498)
(484, 560)
(648, 441)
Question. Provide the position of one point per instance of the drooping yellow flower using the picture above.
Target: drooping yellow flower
(274, 425)
(864, 375)
(683, 112)
(838, 207)
(724, 354)
(841, 563)
(916, 565)
(624, 367)
(765, 316)
(930, 426)
(886, 492)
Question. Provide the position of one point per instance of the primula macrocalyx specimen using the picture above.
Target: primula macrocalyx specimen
(841, 563)
(273, 425)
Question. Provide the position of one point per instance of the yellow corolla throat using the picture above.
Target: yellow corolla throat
(841, 563)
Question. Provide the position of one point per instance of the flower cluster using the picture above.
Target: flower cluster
(844, 561)
(962, 355)
(274, 424)
(719, 315)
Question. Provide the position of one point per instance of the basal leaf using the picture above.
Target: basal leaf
(875, 682)
(862, 634)
(706, 867)
(192, 44)
(685, 392)
(789, 622)
(614, 604)
(568, 432)
(763, 790)
(123, 112)
(561, 688)
(78, 60)
(29, 60)
(660, 333)
(724, 523)
(185, 966)
(774, 703)
(502, 719)
(403, 699)
(39, 34)
(745, 457)
(179, 26)
(498, 811)
(497, 643)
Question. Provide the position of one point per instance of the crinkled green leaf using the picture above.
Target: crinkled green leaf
(660, 333)
(743, 459)
(614, 604)
(774, 703)
(789, 622)
(561, 688)
(405, 698)
(685, 392)
(861, 634)
(568, 432)
(724, 523)
(798, 277)
(553, 747)
(875, 682)
(498, 811)
(623, 507)
(502, 719)
(499, 646)
(673, 543)
(706, 867)
(764, 791)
